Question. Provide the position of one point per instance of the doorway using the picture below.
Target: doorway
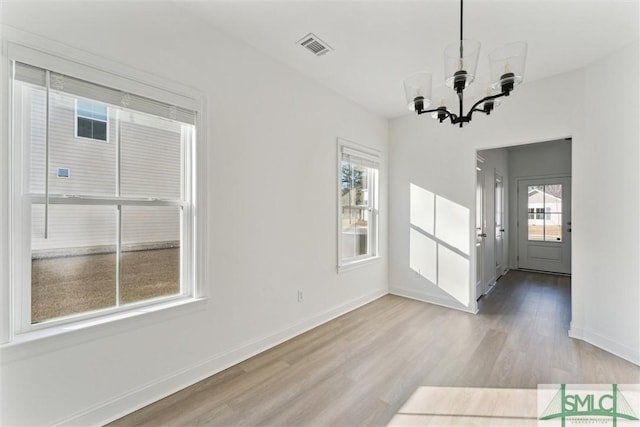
(525, 205)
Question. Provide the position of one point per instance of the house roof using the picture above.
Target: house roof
(537, 196)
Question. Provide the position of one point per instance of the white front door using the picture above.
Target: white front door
(480, 233)
(499, 225)
(544, 224)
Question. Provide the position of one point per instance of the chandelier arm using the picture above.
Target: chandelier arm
(448, 114)
(486, 98)
(433, 110)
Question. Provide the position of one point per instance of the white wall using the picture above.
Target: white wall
(606, 253)
(272, 152)
(602, 118)
(551, 158)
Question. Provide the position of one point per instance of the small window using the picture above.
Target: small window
(358, 204)
(92, 120)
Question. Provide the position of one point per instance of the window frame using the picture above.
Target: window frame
(15, 325)
(75, 122)
(373, 230)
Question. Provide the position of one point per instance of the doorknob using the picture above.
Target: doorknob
(502, 230)
(482, 235)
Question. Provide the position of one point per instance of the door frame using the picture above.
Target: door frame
(479, 232)
(498, 177)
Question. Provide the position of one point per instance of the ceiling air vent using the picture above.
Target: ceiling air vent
(314, 44)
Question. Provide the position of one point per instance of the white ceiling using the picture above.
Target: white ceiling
(379, 43)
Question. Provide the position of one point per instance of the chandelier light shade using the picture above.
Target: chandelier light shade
(417, 89)
(507, 65)
(460, 64)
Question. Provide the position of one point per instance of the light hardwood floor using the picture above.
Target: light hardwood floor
(361, 368)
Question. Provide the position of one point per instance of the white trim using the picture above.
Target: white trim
(356, 148)
(124, 404)
(361, 262)
(6, 322)
(81, 327)
(621, 350)
(48, 54)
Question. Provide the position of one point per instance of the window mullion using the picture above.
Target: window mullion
(118, 254)
(119, 210)
(544, 219)
(46, 155)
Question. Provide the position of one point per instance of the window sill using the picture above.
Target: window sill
(358, 264)
(60, 336)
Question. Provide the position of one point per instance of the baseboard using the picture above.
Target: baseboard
(124, 404)
(613, 347)
(489, 289)
(431, 299)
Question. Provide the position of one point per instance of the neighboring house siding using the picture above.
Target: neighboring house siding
(150, 167)
(537, 200)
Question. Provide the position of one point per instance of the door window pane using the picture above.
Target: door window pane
(545, 212)
(536, 230)
(553, 228)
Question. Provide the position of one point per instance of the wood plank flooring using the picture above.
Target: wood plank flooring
(363, 367)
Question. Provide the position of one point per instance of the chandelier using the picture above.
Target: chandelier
(460, 63)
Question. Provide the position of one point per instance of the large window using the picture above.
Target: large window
(116, 233)
(358, 204)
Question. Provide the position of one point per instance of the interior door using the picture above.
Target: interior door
(544, 224)
(480, 230)
(499, 224)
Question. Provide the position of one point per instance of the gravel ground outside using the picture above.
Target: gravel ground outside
(77, 284)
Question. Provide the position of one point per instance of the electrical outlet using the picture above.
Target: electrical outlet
(300, 295)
